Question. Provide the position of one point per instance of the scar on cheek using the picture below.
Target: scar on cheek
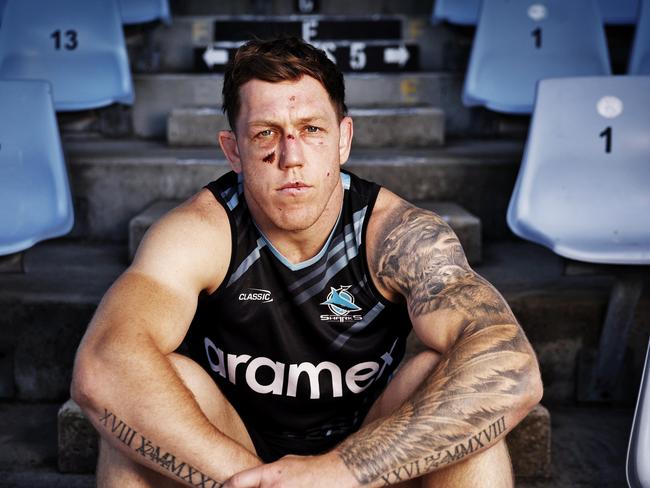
(269, 158)
(290, 136)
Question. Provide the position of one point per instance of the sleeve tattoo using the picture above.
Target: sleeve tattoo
(461, 407)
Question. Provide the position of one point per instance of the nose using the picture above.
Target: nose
(291, 153)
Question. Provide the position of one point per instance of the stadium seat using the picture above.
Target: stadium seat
(583, 186)
(640, 57)
(582, 191)
(619, 11)
(461, 12)
(35, 201)
(2, 9)
(140, 11)
(638, 452)
(77, 45)
(465, 12)
(518, 43)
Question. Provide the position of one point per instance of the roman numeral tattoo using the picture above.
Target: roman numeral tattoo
(462, 407)
(148, 450)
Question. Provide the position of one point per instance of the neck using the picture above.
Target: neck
(300, 245)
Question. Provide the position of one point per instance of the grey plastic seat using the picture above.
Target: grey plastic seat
(35, 201)
(461, 12)
(640, 55)
(518, 43)
(77, 45)
(638, 453)
(140, 11)
(583, 188)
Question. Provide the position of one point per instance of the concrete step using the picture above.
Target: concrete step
(46, 311)
(466, 225)
(158, 94)
(373, 127)
(113, 180)
(288, 7)
(173, 46)
(529, 443)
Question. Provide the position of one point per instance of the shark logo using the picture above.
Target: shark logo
(340, 301)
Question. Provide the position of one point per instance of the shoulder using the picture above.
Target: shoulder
(407, 244)
(189, 246)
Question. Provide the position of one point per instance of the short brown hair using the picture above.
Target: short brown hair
(276, 60)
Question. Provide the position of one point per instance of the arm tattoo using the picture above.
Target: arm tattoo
(145, 448)
(461, 407)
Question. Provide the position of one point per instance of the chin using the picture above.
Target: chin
(295, 221)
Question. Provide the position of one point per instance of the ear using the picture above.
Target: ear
(346, 131)
(228, 143)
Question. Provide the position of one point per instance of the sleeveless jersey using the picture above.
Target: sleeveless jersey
(300, 350)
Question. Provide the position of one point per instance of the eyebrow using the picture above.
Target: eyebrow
(302, 121)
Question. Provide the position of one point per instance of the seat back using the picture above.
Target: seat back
(140, 11)
(462, 12)
(619, 11)
(583, 186)
(2, 9)
(35, 201)
(640, 54)
(77, 45)
(518, 43)
(638, 451)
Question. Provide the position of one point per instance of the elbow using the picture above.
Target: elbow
(85, 386)
(533, 390)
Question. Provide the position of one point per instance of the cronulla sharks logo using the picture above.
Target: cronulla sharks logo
(341, 303)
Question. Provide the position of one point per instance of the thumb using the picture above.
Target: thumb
(251, 478)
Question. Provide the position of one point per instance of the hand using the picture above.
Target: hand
(295, 472)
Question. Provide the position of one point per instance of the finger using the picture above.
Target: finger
(251, 478)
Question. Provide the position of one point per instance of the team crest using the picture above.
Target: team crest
(341, 304)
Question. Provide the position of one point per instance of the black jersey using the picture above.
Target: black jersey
(300, 350)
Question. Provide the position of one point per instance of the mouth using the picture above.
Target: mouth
(294, 188)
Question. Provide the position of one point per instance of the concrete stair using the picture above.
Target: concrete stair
(466, 226)
(157, 95)
(113, 180)
(411, 127)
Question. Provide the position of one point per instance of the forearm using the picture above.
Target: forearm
(483, 386)
(138, 403)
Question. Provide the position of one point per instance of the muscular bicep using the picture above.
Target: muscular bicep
(419, 257)
(181, 255)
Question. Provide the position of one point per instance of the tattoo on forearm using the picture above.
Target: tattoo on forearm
(143, 446)
(447, 456)
(462, 406)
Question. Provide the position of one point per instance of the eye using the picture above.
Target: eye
(265, 133)
(311, 129)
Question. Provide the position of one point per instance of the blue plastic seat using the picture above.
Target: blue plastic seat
(35, 201)
(2, 9)
(640, 56)
(518, 43)
(638, 453)
(77, 45)
(619, 11)
(140, 11)
(461, 12)
(583, 188)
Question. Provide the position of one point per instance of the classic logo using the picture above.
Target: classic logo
(255, 295)
(341, 303)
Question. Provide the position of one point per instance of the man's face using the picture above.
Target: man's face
(289, 145)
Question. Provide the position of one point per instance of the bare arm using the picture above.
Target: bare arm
(487, 379)
(123, 379)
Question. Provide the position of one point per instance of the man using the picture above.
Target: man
(295, 286)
